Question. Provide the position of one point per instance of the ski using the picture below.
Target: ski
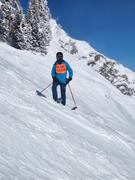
(74, 108)
(39, 93)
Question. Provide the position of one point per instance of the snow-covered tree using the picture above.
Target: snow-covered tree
(39, 20)
(13, 25)
(21, 33)
(6, 19)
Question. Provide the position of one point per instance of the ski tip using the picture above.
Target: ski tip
(39, 93)
(74, 108)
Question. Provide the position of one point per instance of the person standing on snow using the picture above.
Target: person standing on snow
(59, 75)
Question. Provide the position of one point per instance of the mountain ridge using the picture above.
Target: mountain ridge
(119, 76)
(35, 30)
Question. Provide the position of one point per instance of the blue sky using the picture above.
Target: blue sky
(108, 25)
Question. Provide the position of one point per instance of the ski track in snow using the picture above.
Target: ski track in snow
(42, 140)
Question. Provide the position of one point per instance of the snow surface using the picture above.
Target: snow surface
(42, 140)
(59, 34)
(86, 52)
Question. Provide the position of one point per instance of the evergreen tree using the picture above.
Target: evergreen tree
(21, 33)
(13, 25)
(39, 20)
(32, 33)
(6, 19)
(16, 33)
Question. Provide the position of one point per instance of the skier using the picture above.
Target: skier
(59, 75)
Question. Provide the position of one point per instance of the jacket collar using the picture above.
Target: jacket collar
(60, 61)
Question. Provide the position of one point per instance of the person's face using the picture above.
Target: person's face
(59, 57)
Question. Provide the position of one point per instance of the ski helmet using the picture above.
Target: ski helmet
(59, 55)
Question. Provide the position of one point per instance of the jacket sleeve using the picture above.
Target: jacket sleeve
(69, 69)
(53, 72)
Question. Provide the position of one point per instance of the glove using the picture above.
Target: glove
(55, 80)
(68, 80)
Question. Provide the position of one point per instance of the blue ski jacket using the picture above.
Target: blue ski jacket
(60, 69)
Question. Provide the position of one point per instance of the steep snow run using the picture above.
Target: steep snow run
(121, 77)
(42, 140)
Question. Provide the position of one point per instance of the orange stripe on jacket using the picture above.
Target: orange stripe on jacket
(61, 68)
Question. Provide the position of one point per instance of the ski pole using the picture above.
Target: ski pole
(39, 93)
(46, 87)
(75, 107)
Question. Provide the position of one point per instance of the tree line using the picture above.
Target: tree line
(30, 31)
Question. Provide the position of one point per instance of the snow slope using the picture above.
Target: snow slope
(120, 76)
(41, 140)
